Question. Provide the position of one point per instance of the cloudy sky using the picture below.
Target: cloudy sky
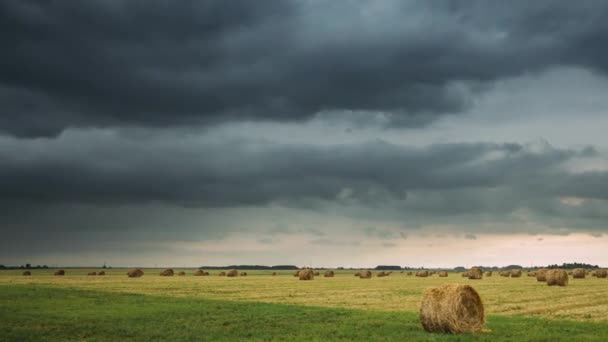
(313, 132)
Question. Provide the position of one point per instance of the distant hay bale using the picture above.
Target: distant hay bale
(92, 273)
(243, 274)
(475, 273)
(422, 274)
(316, 273)
(222, 274)
(541, 275)
(409, 273)
(531, 274)
(465, 274)
(181, 273)
(443, 274)
(296, 273)
(506, 273)
(232, 273)
(328, 274)
(101, 273)
(515, 273)
(274, 273)
(488, 274)
(601, 273)
(593, 274)
(578, 273)
(135, 273)
(357, 274)
(167, 273)
(569, 272)
(306, 274)
(199, 273)
(27, 273)
(452, 309)
(381, 274)
(59, 273)
(365, 275)
(557, 277)
(431, 272)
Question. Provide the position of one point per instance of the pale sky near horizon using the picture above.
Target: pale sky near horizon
(314, 133)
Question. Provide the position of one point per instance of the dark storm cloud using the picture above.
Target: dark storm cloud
(154, 63)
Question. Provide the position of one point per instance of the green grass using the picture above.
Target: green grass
(35, 312)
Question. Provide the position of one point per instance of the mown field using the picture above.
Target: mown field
(262, 307)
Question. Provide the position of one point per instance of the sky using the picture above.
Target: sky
(314, 133)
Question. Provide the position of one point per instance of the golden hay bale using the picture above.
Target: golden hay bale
(199, 273)
(601, 273)
(475, 273)
(453, 309)
(328, 274)
(92, 273)
(541, 275)
(306, 274)
(557, 277)
(59, 273)
(593, 274)
(181, 273)
(102, 273)
(316, 273)
(431, 272)
(274, 273)
(443, 274)
(365, 274)
(422, 274)
(409, 273)
(515, 273)
(531, 274)
(135, 273)
(578, 273)
(488, 274)
(381, 274)
(232, 273)
(296, 273)
(167, 273)
(357, 274)
(465, 274)
(27, 273)
(243, 274)
(222, 274)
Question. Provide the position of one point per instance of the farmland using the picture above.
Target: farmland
(265, 307)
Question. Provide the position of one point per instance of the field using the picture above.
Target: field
(262, 307)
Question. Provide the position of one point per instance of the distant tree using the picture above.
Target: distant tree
(388, 267)
(28, 266)
(459, 269)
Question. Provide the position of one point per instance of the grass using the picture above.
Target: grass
(36, 312)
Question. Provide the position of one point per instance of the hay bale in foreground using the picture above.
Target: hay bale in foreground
(475, 273)
(59, 273)
(365, 275)
(199, 273)
(328, 274)
(601, 273)
(306, 274)
(232, 273)
(167, 273)
(541, 275)
(578, 273)
(515, 273)
(181, 273)
(443, 274)
(92, 273)
(135, 273)
(101, 273)
(422, 274)
(243, 274)
(27, 273)
(557, 277)
(452, 309)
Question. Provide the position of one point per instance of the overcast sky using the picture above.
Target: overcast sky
(315, 133)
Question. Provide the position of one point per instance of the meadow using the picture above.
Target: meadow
(262, 307)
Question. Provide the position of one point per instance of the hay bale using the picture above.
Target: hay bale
(274, 274)
(101, 273)
(488, 274)
(243, 274)
(328, 274)
(181, 273)
(541, 275)
(431, 273)
(515, 273)
(27, 273)
(232, 273)
(452, 309)
(316, 273)
(59, 273)
(557, 277)
(443, 274)
(593, 274)
(601, 273)
(531, 274)
(296, 273)
(409, 273)
(381, 274)
(92, 273)
(365, 274)
(465, 274)
(167, 273)
(422, 274)
(306, 274)
(578, 273)
(222, 274)
(475, 273)
(199, 273)
(135, 273)
(357, 274)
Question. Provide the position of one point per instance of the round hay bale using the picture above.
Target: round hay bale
(135, 273)
(92, 273)
(381, 274)
(365, 275)
(452, 309)
(27, 273)
(167, 273)
(222, 274)
(306, 274)
(593, 274)
(422, 274)
(515, 273)
(432, 273)
(101, 273)
(488, 274)
(181, 273)
(541, 275)
(243, 274)
(557, 277)
(443, 274)
(409, 273)
(232, 273)
(601, 273)
(531, 274)
(505, 273)
(296, 273)
(199, 273)
(578, 273)
(328, 274)
(357, 274)
(475, 273)
(59, 273)
(274, 274)
(316, 273)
